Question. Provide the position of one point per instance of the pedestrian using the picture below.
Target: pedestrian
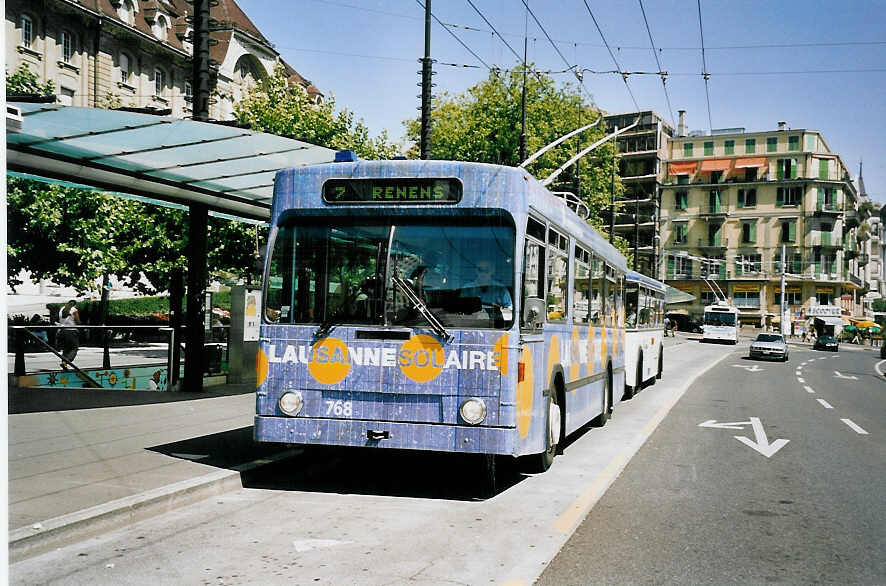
(68, 337)
(40, 334)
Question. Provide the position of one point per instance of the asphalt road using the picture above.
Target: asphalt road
(696, 505)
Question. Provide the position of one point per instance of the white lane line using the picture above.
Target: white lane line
(823, 358)
(854, 426)
(801, 380)
(808, 389)
(824, 404)
(798, 373)
(877, 367)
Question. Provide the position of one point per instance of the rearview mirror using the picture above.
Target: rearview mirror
(533, 312)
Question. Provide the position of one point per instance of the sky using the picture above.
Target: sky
(814, 64)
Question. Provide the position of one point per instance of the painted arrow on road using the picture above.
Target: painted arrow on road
(761, 444)
(753, 368)
(849, 377)
(733, 425)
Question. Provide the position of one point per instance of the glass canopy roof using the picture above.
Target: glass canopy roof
(228, 169)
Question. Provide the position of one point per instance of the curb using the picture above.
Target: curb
(27, 542)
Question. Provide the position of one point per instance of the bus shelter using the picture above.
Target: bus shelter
(205, 166)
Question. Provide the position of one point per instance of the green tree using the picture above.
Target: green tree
(483, 124)
(25, 82)
(277, 107)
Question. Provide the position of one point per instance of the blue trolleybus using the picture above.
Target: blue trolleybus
(434, 305)
(644, 323)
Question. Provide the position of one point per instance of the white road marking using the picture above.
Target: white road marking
(824, 404)
(808, 389)
(877, 367)
(823, 358)
(854, 426)
(800, 380)
(761, 444)
(849, 377)
(753, 368)
(798, 373)
(731, 425)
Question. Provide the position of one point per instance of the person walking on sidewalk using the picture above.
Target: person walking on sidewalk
(68, 337)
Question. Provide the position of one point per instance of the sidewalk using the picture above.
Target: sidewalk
(83, 462)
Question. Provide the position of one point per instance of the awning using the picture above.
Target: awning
(863, 323)
(228, 169)
(715, 165)
(674, 295)
(829, 320)
(682, 168)
(750, 162)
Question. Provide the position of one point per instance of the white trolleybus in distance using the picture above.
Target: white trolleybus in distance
(644, 331)
(720, 323)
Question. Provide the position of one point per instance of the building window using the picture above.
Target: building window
(794, 143)
(729, 147)
(708, 149)
(681, 200)
(810, 143)
(66, 97)
(747, 198)
(750, 173)
(27, 26)
(791, 298)
(126, 12)
(687, 149)
(824, 297)
(67, 47)
(189, 91)
(708, 298)
(786, 169)
(161, 27)
(746, 298)
(771, 144)
(679, 266)
(822, 168)
(682, 179)
(750, 145)
(788, 230)
(124, 68)
(748, 264)
(159, 82)
(788, 196)
(681, 232)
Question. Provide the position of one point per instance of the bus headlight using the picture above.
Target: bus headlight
(291, 402)
(473, 411)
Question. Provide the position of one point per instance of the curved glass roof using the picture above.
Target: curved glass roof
(226, 168)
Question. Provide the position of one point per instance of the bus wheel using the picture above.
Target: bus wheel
(660, 363)
(630, 391)
(553, 434)
(603, 417)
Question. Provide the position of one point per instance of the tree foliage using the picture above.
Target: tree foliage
(483, 124)
(277, 107)
(25, 82)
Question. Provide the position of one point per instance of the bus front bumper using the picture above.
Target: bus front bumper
(385, 434)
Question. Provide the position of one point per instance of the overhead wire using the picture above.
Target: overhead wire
(469, 50)
(704, 73)
(624, 74)
(661, 72)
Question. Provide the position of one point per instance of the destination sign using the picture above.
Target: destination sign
(400, 190)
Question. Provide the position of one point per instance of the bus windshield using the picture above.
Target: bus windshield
(714, 318)
(341, 271)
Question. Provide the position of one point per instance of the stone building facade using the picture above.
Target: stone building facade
(137, 53)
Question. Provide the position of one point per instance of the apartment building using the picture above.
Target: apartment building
(642, 152)
(137, 53)
(733, 200)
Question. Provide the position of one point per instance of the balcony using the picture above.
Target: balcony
(827, 208)
(823, 240)
(863, 259)
(715, 207)
(851, 219)
(716, 243)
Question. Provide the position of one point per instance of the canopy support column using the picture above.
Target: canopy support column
(197, 250)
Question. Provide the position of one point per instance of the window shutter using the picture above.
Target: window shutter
(779, 196)
(779, 170)
(671, 266)
(753, 232)
(792, 231)
(820, 197)
(793, 168)
(822, 168)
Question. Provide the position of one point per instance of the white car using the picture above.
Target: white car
(770, 346)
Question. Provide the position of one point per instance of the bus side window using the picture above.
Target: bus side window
(610, 292)
(597, 304)
(557, 277)
(581, 286)
(533, 277)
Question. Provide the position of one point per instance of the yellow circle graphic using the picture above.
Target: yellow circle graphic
(330, 363)
(574, 365)
(421, 358)
(525, 390)
(261, 367)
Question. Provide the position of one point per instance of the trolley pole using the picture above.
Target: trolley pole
(784, 268)
(636, 230)
(612, 196)
(426, 74)
(523, 106)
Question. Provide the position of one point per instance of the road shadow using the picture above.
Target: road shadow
(350, 470)
(39, 400)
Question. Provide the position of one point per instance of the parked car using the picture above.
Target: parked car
(770, 346)
(826, 343)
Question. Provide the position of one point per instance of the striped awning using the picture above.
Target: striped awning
(682, 167)
(750, 162)
(715, 165)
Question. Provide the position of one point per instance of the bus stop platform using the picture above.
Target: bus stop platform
(84, 462)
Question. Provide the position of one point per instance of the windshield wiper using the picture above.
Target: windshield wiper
(417, 302)
(328, 324)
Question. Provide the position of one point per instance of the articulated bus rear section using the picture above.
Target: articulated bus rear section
(432, 305)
